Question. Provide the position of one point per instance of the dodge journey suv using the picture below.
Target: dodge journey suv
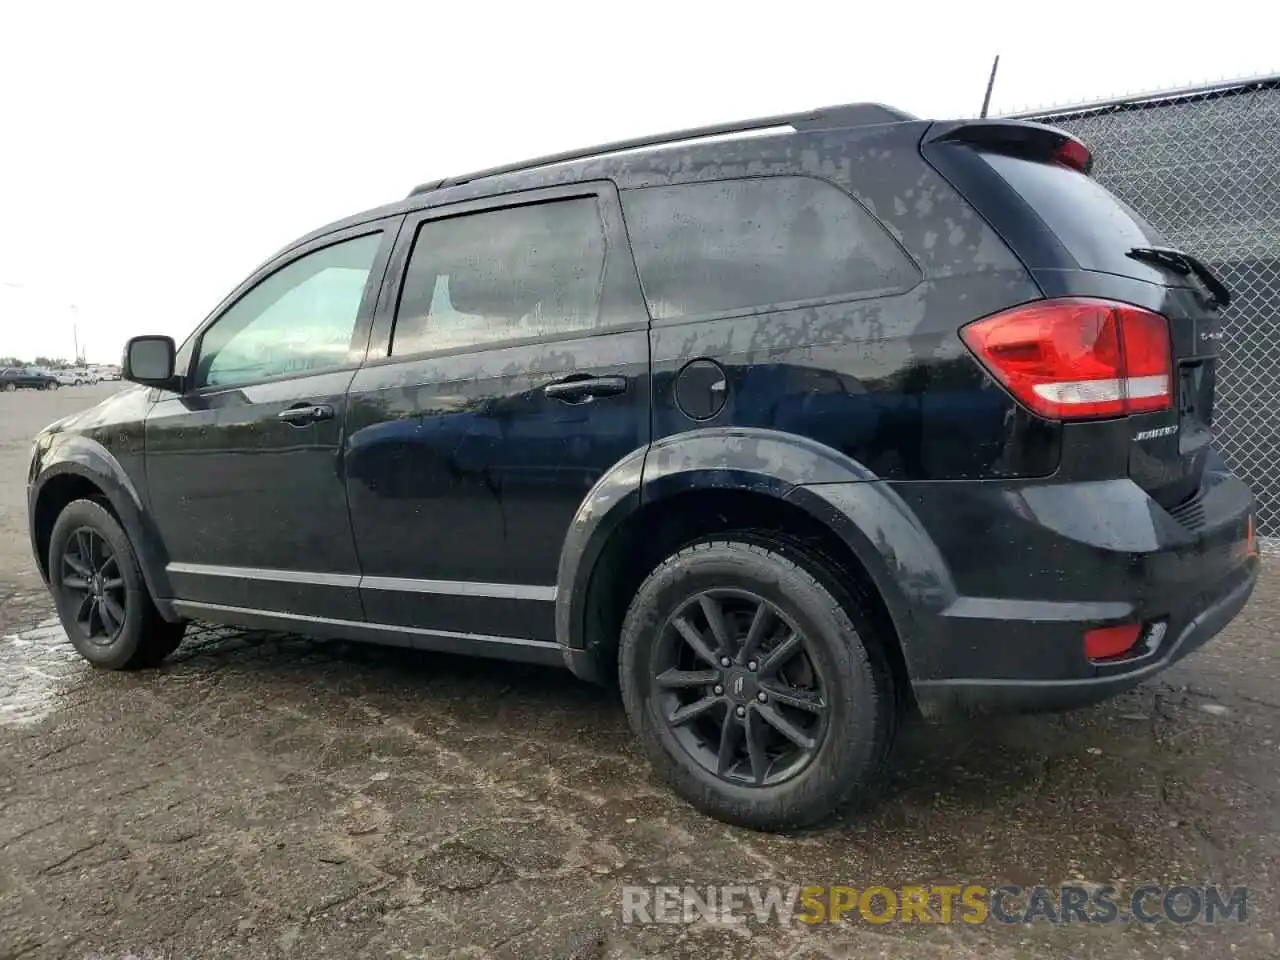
(785, 427)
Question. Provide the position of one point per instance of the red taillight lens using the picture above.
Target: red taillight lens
(1073, 154)
(1078, 358)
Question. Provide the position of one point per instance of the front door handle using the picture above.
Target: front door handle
(580, 389)
(305, 413)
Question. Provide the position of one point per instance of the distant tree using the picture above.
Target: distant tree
(10, 362)
(43, 362)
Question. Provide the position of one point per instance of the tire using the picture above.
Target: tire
(124, 630)
(51, 385)
(10, 387)
(843, 674)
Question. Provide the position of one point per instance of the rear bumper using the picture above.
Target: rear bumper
(995, 610)
(1217, 608)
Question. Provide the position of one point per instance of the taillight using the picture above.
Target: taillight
(1078, 358)
(1073, 154)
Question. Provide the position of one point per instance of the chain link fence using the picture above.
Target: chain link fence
(1203, 166)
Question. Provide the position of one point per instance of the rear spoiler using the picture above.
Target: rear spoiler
(1035, 141)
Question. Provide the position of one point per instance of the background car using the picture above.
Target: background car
(20, 378)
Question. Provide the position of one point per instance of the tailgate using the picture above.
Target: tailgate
(1168, 453)
(1032, 183)
(1102, 234)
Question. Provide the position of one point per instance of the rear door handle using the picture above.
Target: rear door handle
(584, 389)
(305, 413)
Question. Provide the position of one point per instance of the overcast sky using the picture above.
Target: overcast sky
(153, 154)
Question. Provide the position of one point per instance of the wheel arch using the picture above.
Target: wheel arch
(80, 468)
(806, 495)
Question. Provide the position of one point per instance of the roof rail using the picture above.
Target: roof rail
(842, 115)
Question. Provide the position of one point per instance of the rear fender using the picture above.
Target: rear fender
(864, 512)
(898, 554)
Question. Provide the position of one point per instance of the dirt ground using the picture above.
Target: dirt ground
(261, 795)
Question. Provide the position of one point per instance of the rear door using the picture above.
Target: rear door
(508, 371)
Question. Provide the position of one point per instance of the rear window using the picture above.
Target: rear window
(726, 246)
(1096, 226)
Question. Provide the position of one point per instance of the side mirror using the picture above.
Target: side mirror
(149, 361)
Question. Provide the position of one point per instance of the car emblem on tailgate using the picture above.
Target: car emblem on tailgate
(1157, 432)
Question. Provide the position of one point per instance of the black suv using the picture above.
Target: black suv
(20, 378)
(789, 426)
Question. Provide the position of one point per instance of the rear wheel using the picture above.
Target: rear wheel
(51, 385)
(754, 694)
(101, 597)
(10, 387)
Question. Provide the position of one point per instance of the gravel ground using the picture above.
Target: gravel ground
(264, 796)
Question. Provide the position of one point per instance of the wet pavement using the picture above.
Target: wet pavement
(260, 795)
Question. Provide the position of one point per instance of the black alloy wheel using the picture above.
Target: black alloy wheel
(756, 682)
(737, 688)
(91, 576)
(101, 594)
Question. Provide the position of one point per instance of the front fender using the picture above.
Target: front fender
(88, 459)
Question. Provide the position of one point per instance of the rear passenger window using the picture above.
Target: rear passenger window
(730, 245)
(500, 275)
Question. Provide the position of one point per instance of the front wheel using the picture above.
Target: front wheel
(754, 694)
(101, 597)
(51, 385)
(10, 387)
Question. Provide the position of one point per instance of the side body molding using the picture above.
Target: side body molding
(69, 454)
(859, 508)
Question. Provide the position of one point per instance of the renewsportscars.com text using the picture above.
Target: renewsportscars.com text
(935, 903)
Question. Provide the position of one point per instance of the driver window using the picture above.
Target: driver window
(299, 319)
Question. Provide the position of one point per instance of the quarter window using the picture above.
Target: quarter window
(722, 246)
(300, 319)
(498, 275)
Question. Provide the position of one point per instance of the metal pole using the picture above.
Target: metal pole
(991, 82)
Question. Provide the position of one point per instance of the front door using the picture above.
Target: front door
(512, 372)
(243, 468)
